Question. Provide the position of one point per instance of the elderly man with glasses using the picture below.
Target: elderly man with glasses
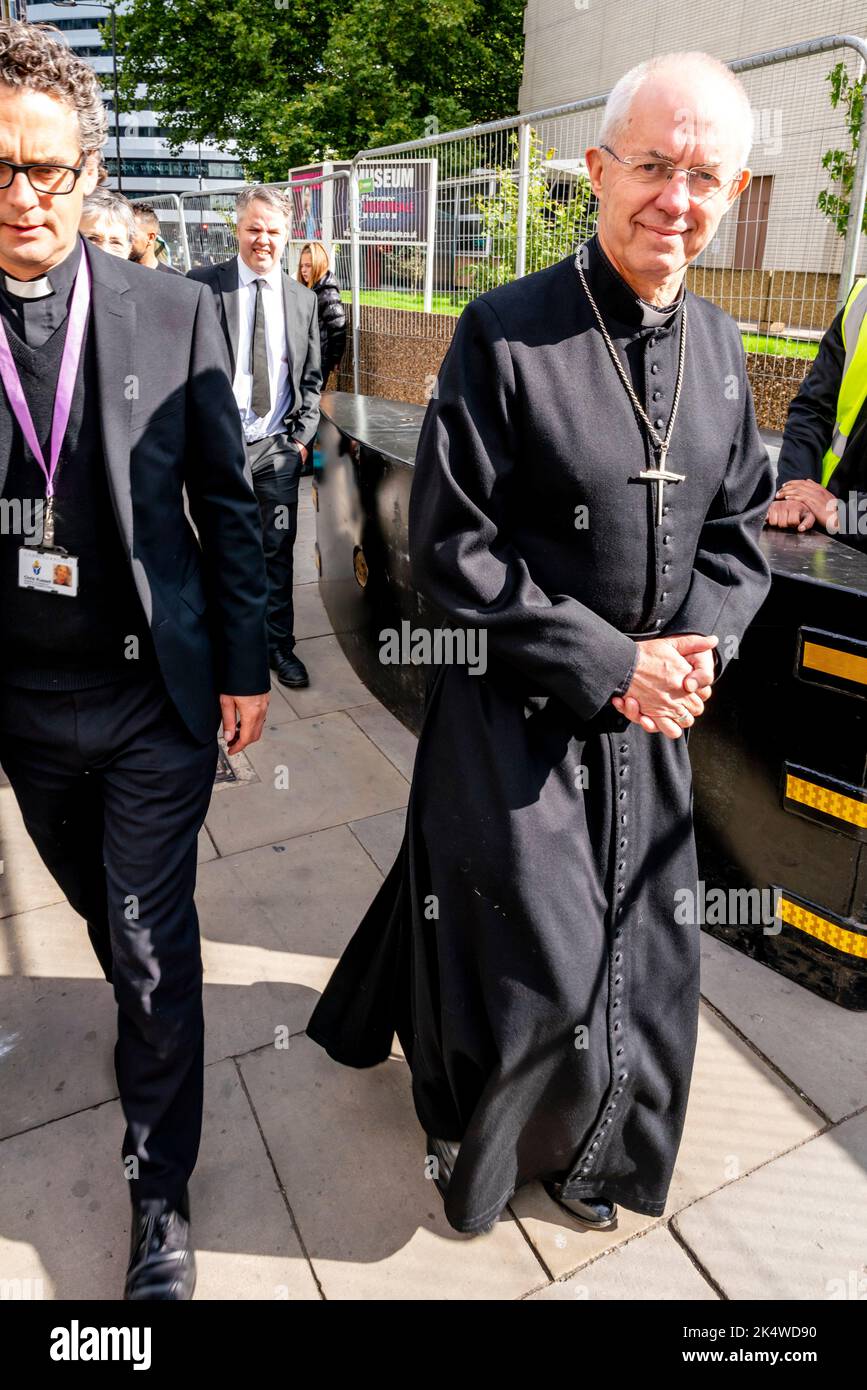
(124, 634)
(589, 490)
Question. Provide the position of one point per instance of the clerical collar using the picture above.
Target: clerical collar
(58, 281)
(621, 301)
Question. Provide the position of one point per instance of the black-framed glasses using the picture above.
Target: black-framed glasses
(702, 183)
(45, 178)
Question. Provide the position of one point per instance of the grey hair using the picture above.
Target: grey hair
(623, 93)
(31, 57)
(262, 193)
(107, 202)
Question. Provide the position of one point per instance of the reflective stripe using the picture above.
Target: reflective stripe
(832, 932)
(853, 383)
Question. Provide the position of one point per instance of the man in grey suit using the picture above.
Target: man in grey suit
(272, 329)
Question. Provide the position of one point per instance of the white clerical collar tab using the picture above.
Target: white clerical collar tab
(28, 289)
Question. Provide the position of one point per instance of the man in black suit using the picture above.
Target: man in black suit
(123, 635)
(271, 325)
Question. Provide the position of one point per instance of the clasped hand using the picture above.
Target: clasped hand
(671, 683)
(802, 503)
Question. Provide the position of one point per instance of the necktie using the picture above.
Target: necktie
(261, 398)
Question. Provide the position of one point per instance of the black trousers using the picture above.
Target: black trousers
(113, 790)
(276, 468)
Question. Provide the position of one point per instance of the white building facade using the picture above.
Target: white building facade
(147, 168)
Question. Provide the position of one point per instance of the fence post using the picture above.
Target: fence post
(185, 241)
(355, 261)
(523, 197)
(856, 212)
(430, 233)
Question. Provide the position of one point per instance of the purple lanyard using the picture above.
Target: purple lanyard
(78, 308)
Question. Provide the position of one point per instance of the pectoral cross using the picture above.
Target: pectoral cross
(660, 475)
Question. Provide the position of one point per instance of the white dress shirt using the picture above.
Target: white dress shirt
(256, 426)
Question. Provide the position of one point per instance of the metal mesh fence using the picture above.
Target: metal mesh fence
(415, 231)
(512, 197)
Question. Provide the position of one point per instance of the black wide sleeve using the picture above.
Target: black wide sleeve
(730, 575)
(463, 558)
(813, 413)
(225, 512)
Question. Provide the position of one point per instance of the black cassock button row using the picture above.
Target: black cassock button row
(620, 887)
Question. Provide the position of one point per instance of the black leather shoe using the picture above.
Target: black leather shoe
(290, 669)
(162, 1264)
(594, 1213)
(445, 1151)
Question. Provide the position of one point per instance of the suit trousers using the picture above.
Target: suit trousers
(275, 462)
(113, 790)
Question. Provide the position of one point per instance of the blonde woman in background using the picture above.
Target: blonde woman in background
(315, 273)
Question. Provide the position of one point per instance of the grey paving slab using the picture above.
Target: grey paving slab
(820, 1047)
(303, 564)
(333, 774)
(58, 1020)
(25, 883)
(313, 890)
(65, 1218)
(311, 619)
(273, 922)
(561, 1244)
(795, 1229)
(207, 849)
(279, 710)
(381, 836)
(389, 735)
(252, 986)
(246, 1244)
(653, 1266)
(740, 1115)
(350, 1154)
(333, 683)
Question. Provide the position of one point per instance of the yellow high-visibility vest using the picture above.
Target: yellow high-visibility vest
(853, 384)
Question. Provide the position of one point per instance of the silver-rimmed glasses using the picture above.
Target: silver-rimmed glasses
(702, 183)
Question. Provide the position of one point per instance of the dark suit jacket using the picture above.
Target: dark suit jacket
(300, 311)
(169, 422)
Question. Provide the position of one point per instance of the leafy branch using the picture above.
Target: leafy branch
(840, 164)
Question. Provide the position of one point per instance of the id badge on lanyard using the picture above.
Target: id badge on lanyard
(49, 568)
(49, 571)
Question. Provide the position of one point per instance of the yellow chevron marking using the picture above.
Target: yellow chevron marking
(853, 943)
(832, 803)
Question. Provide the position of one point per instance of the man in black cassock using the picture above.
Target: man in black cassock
(524, 946)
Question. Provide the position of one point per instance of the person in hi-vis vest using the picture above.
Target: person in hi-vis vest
(822, 468)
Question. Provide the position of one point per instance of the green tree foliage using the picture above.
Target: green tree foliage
(841, 163)
(291, 83)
